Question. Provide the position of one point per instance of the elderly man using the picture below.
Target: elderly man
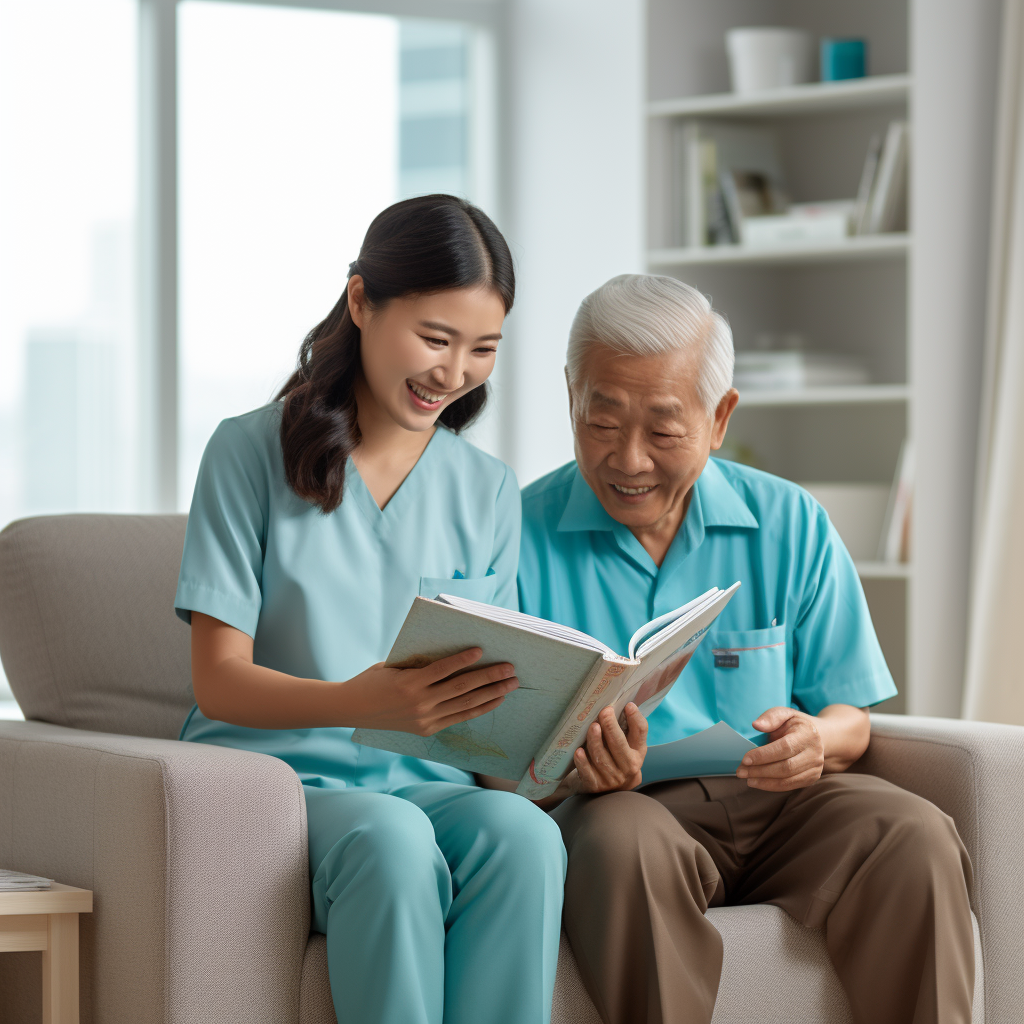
(640, 523)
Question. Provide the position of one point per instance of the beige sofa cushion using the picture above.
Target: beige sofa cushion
(87, 625)
(775, 971)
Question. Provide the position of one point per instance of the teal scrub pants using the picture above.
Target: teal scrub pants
(441, 903)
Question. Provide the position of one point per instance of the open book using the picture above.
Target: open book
(565, 679)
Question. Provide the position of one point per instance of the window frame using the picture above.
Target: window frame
(158, 213)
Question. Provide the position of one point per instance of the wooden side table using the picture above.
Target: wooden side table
(47, 919)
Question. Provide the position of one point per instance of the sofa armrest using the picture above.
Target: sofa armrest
(974, 771)
(197, 858)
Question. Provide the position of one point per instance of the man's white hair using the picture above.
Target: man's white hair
(644, 314)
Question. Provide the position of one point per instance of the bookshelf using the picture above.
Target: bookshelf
(903, 302)
(912, 305)
(589, 197)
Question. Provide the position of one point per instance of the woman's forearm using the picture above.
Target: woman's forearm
(260, 698)
(424, 699)
(228, 687)
(845, 732)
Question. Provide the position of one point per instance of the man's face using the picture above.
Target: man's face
(642, 435)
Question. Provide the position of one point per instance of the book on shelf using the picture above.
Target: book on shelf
(867, 180)
(724, 172)
(894, 545)
(565, 679)
(882, 196)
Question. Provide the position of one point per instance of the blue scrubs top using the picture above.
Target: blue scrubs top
(797, 630)
(324, 596)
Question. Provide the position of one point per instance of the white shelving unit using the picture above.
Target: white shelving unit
(911, 304)
(816, 98)
(866, 394)
(859, 247)
(848, 296)
(883, 571)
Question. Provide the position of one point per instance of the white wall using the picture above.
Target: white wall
(573, 203)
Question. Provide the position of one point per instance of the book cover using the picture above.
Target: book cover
(502, 742)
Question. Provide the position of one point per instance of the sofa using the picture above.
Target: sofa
(197, 854)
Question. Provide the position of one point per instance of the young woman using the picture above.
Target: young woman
(315, 522)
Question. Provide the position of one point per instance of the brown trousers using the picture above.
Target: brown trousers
(881, 870)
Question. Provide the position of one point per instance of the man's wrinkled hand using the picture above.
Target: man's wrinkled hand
(793, 758)
(611, 759)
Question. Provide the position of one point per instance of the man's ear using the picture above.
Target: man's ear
(572, 409)
(356, 300)
(726, 407)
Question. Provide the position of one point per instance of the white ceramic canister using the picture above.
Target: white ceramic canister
(769, 58)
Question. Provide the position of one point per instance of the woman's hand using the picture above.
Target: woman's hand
(610, 759)
(419, 699)
(423, 700)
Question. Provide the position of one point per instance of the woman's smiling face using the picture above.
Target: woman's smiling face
(422, 352)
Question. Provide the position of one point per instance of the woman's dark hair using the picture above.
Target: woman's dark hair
(421, 245)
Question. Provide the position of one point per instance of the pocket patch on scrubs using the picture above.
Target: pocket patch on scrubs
(727, 661)
(480, 588)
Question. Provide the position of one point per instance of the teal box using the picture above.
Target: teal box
(843, 58)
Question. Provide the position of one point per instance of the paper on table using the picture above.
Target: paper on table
(13, 881)
(715, 751)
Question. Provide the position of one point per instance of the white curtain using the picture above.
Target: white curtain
(994, 688)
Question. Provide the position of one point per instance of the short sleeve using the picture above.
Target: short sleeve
(222, 563)
(838, 659)
(508, 517)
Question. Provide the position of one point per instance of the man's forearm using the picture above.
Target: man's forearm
(845, 731)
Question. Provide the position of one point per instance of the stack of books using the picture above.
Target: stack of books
(17, 881)
(790, 371)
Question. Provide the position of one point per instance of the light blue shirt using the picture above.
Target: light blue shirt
(797, 630)
(324, 596)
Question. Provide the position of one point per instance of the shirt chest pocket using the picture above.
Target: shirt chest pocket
(750, 674)
(481, 588)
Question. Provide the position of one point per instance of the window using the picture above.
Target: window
(296, 128)
(68, 363)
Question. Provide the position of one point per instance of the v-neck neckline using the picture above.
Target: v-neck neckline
(402, 496)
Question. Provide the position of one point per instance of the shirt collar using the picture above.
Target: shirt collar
(720, 502)
(715, 502)
(583, 511)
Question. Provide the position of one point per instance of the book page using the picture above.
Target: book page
(669, 652)
(520, 620)
(716, 598)
(650, 629)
